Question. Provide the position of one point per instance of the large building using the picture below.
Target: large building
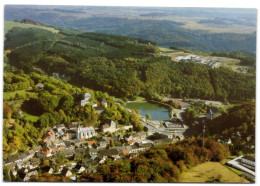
(110, 126)
(85, 133)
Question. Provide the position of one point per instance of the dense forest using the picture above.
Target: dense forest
(121, 66)
(161, 164)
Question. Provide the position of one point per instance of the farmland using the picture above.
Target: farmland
(206, 172)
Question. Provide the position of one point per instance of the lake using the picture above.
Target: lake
(157, 112)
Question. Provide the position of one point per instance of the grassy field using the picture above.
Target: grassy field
(8, 25)
(8, 95)
(138, 99)
(30, 117)
(206, 171)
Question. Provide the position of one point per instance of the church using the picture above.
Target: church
(85, 133)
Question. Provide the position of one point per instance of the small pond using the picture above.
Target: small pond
(157, 112)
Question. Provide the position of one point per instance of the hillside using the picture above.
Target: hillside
(121, 66)
(193, 28)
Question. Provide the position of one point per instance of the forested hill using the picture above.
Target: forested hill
(121, 66)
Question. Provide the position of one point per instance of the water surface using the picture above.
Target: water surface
(157, 112)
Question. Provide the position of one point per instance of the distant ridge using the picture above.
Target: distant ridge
(30, 21)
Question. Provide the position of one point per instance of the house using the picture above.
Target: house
(130, 142)
(37, 148)
(103, 143)
(27, 155)
(162, 141)
(81, 169)
(13, 159)
(66, 153)
(13, 170)
(212, 112)
(51, 134)
(90, 143)
(35, 163)
(178, 137)
(125, 152)
(93, 157)
(29, 174)
(137, 147)
(85, 101)
(140, 136)
(109, 126)
(104, 102)
(45, 139)
(85, 133)
(65, 136)
(66, 172)
(60, 127)
(94, 105)
(145, 146)
(43, 153)
(72, 165)
(93, 152)
(19, 165)
(87, 96)
(40, 85)
(110, 152)
(51, 171)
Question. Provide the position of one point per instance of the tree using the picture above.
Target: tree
(6, 172)
(66, 103)
(7, 111)
(148, 116)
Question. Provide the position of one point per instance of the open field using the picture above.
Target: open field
(8, 25)
(192, 24)
(30, 117)
(8, 95)
(204, 172)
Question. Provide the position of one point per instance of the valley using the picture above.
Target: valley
(116, 96)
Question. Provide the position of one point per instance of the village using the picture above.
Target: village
(71, 148)
(81, 149)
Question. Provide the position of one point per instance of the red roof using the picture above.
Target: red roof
(125, 151)
(91, 142)
(62, 148)
(131, 141)
(55, 148)
(51, 133)
(46, 139)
